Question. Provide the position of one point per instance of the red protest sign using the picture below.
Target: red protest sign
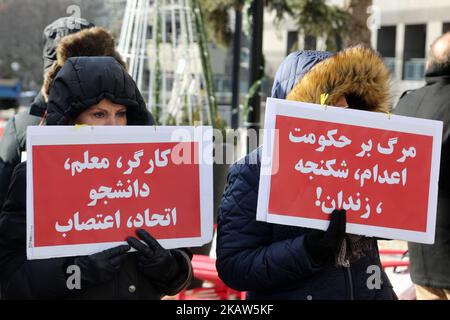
(90, 189)
(382, 170)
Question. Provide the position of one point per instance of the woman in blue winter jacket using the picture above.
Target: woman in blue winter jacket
(272, 261)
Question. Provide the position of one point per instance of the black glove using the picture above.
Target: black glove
(100, 267)
(324, 246)
(155, 262)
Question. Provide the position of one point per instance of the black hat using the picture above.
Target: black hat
(57, 30)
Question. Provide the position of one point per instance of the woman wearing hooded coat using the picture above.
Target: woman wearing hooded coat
(272, 261)
(88, 90)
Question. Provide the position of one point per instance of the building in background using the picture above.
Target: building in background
(408, 28)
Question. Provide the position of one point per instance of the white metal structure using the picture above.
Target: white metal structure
(158, 41)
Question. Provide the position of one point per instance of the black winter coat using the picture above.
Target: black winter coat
(270, 261)
(13, 142)
(46, 279)
(81, 83)
(429, 263)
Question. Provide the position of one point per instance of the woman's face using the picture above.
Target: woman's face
(105, 113)
(342, 102)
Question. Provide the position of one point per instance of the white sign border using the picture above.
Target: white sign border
(375, 120)
(84, 135)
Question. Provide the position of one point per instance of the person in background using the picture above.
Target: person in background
(272, 261)
(90, 91)
(429, 263)
(13, 142)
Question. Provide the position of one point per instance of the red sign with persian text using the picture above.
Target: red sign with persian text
(78, 205)
(374, 186)
(85, 197)
(383, 170)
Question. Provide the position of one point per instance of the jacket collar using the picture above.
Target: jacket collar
(432, 79)
(436, 74)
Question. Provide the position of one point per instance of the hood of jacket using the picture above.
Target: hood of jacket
(90, 42)
(293, 68)
(85, 81)
(55, 31)
(358, 73)
(38, 106)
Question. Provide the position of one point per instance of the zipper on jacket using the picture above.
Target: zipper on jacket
(348, 276)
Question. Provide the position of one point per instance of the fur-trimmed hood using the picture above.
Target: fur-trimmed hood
(86, 43)
(358, 73)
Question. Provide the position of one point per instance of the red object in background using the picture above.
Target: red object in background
(59, 193)
(2, 127)
(205, 269)
(293, 193)
(394, 263)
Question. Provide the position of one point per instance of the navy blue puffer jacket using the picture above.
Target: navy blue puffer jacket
(270, 261)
